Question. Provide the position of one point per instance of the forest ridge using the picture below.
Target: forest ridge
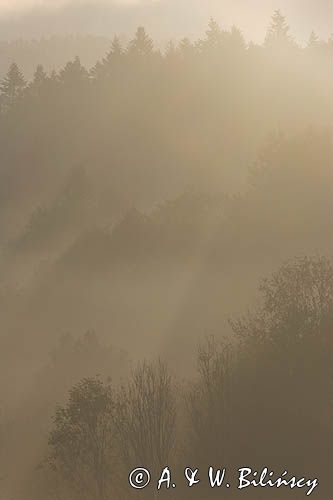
(147, 203)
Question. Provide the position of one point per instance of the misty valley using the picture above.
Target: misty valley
(166, 265)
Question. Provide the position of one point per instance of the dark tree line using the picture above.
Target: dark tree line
(143, 198)
(261, 398)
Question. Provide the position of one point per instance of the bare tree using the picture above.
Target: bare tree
(146, 417)
(210, 400)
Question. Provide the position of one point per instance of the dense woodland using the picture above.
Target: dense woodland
(166, 265)
(52, 52)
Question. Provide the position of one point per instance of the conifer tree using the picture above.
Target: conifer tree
(313, 42)
(214, 35)
(237, 39)
(53, 81)
(73, 73)
(141, 44)
(40, 75)
(12, 86)
(39, 79)
(278, 31)
(104, 68)
(116, 48)
(186, 48)
(114, 54)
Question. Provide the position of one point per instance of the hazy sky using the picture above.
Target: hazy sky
(166, 18)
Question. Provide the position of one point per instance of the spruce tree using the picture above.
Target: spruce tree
(105, 67)
(234, 41)
(39, 80)
(12, 86)
(116, 49)
(313, 42)
(73, 73)
(214, 35)
(186, 48)
(278, 31)
(40, 75)
(73, 70)
(141, 44)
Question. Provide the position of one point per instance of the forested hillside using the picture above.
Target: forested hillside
(52, 52)
(143, 199)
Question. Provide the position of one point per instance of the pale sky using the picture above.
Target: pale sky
(28, 18)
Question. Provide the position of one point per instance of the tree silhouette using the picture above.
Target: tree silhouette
(145, 418)
(82, 441)
(39, 80)
(313, 42)
(12, 87)
(210, 401)
(299, 295)
(237, 41)
(186, 48)
(139, 131)
(214, 37)
(73, 74)
(278, 32)
(105, 68)
(142, 44)
(116, 49)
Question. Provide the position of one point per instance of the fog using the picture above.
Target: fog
(163, 18)
(166, 251)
